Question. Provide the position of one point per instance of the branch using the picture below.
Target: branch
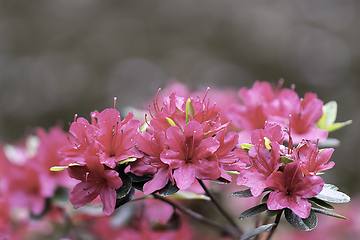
(220, 208)
(277, 220)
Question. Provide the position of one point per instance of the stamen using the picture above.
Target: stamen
(147, 122)
(150, 112)
(291, 143)
(207, 90)
(293, 87)
(75, 117)
(86, 177)
(114, 102)
(279, 86)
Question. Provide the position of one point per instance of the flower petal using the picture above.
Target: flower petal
(108, 198)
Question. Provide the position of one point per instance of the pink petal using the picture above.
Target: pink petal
(300, 206)
(207, 147)
(310, 186)
(277, 200)
(175, 139)
(254, 180)
(80, 196)
(172, 158)
(184, 176)
(160, 179)
(205, 169)
(108, 198)
(112, 179)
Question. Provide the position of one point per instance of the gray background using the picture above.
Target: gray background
(58, 58)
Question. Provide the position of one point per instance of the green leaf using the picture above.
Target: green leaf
(126, 198)
(171, 122)
(143, 178)
(272, 213)
(246, 146)
(251, 233)
(189, 110)
(330, 194)
(233, 172)
(305, 224)
(320, 203)
(326, 212)
(168, 190)
(189, 195)
(125, 188)
(220, 180)
(58, 168)
(253, 211)
(286, 160)
(265, 198)
(127, 160)
(267, 143)
(143, 127)
(337, 126)
(327, 120)
(139, 181)
(241, 194)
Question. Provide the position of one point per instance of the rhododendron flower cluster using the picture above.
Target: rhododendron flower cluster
(266, 139)
(98, 148)
(185, 141)
(263, 103)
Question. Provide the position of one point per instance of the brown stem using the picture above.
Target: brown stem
(277, 220)
(220, 208)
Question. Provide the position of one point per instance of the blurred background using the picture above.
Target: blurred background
(58, 58)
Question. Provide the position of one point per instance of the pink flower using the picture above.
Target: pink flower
(96, 180)
(25, 188)
(251, 115)
(263, 163)
(48, 156)
(291, 189)
(312, 160)
(112, 138)
(82, 135)
(115, 138)
(189, 155)
(152, 146)
(229, 160)
(304, 113)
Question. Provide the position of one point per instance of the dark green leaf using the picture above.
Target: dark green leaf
(221, 180)
(251, 233)
(320, 203)
(326, 212)
(241, 194)
(135, 178)
(168, 190)
(330, 194)
(305, 224)
(253, 211)
(272, 213)
(139, 181)
(125, 188)
(125, 199)
(265, 198)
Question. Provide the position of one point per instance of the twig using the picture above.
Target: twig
(277, 220)
(220, 208)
